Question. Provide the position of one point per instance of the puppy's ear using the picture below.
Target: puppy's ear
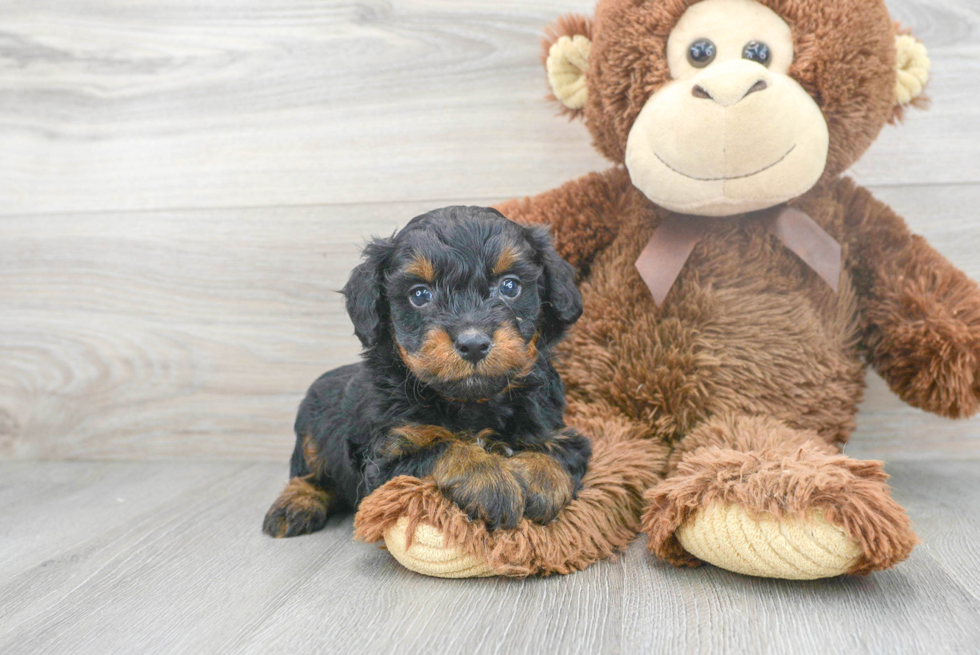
(561, 299)
(364, 291)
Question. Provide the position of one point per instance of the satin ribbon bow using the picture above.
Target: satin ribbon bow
(672, 242)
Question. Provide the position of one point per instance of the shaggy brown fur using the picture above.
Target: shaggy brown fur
(762, 465)
(921, 315)
(602, 519)
(583, 214)
(741, 386)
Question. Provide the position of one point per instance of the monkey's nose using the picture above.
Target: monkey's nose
(473, 345)
(731, 84)
(700, 92)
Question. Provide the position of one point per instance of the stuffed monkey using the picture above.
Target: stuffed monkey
(736, 287)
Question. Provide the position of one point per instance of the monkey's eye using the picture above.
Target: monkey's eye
(757, 51)
(510, 288)
(420, 296)
(701, 53)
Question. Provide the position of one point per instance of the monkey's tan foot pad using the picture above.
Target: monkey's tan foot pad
(429, 555)
(792, 548)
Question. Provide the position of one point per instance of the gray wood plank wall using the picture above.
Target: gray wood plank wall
(184, 185)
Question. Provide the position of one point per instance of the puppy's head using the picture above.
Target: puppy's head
(466, 298)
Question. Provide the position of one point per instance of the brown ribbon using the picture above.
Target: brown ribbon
(673, 241)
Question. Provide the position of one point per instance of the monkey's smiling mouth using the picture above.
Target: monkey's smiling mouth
(722, 179)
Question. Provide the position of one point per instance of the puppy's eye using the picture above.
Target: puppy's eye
(420, 296)
(701, 53)
(758, 52)
(510, 288)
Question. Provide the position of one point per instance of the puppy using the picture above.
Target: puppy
(457, 314)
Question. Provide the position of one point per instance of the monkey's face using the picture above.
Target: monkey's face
(731, 132)
(721, 107)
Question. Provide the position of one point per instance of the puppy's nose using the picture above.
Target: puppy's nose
(473, 345)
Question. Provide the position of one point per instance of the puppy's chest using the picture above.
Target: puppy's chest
(471, 420)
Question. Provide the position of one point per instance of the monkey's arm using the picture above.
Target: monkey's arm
(583, 214)
(921, 314)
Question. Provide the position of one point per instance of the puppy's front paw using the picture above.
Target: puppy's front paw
(480, 485)
(301, 509)
(498, 504)
(547, 485)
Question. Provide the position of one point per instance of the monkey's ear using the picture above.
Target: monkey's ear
(566, 46)
(912, 72)
(364, 291)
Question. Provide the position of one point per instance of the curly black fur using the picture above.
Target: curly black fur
(406, 410)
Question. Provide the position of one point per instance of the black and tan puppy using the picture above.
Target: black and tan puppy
(457, 314)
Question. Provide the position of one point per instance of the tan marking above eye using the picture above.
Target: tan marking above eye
(507, 258)
(421, 267)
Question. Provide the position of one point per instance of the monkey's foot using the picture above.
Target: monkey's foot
(793, 548)
(428, 553)
(780, 508)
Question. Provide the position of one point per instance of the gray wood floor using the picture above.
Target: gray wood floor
(184, 184)
(156, 557)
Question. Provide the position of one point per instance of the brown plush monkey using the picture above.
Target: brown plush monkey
(736, 287)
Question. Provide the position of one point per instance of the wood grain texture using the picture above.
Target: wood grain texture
(195, 333)
(191, 573)
(107, 105)
(249, 103)
(184, 185)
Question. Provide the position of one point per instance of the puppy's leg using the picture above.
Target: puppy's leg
(477, 481)
(550, 472)
(303, 505)
(480, 484)
(301, 508)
